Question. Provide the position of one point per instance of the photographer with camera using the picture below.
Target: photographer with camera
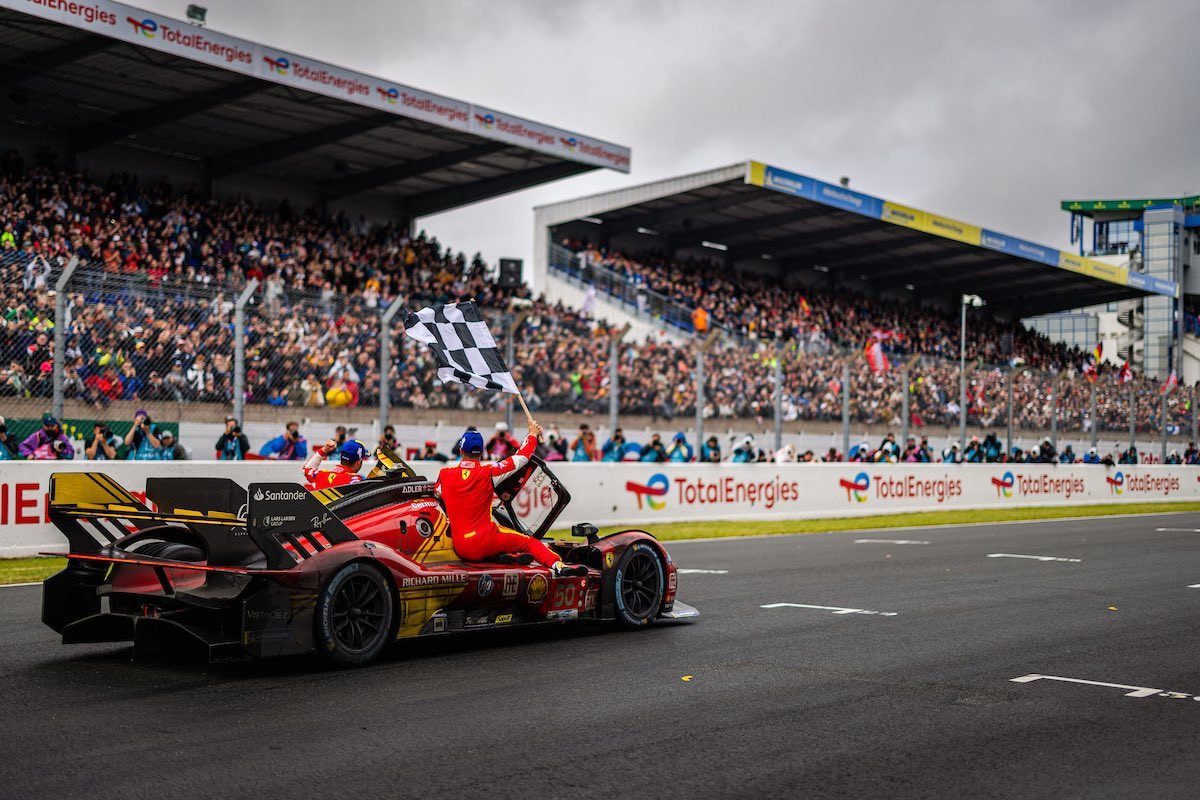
(48, 443)
(8, 445)
(291, 446)
(388, 440)
(143, 438)
(233, 444)
(103, 444)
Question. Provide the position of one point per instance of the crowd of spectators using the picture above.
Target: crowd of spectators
(150, 318)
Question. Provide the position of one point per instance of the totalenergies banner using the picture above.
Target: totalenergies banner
(157, 32)
(641, 494)
(759, 174)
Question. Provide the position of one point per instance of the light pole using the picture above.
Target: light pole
(974, 301)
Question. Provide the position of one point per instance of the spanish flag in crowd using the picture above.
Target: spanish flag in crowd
(804, 306)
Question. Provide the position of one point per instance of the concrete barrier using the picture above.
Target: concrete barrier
(638, 494)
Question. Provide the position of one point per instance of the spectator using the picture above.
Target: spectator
(710, 451)
(430, 453)
(233, 444)
(103, 444)
(1067, 456)
(288, 446)
(554, 449)
(142, 440)
(502, 444)
(1173, 457)
(614, 448)
(1091, 457)
(745, 452)
(584, 447)
(992, 450)
(388, 440)
(170, 449)
(8, 444)
(48, 442)
(951, 454)
(1191, 455)
(653, 451)
(888, 451)
(680, 450)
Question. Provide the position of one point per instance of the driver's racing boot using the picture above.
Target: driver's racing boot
(523, 559)
(562, 570)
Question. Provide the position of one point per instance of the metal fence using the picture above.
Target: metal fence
(101, 344)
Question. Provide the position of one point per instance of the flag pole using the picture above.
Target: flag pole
(525, 408)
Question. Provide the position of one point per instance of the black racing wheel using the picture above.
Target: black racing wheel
(172, 551)
(638, 586)
(354, 615)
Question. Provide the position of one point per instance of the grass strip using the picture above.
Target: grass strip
(705, 530)
(28, 570)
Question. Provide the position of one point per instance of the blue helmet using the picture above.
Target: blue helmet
(353, 450)
(471, 442)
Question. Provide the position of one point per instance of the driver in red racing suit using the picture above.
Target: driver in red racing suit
(352, 454)
(466, 491)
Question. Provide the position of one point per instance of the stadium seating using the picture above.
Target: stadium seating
(150, 318)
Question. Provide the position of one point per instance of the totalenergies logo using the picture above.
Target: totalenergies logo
(1004, 484)
(488, 121)
(277, 65)
(569, 142)
(390, 95)
(857, 487)
(146, 27)
(653, 489)
(1117, 482)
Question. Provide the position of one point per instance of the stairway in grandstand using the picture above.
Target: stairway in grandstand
(614, 299)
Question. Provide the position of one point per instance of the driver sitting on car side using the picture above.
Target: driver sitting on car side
(352, 454)
(466, 490)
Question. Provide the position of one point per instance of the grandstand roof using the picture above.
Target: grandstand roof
(100, 72)
(756, 211)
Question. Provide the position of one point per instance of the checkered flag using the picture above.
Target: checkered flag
(462, 344)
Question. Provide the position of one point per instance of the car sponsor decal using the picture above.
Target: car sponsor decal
(568, 613)
(484, 586)
(536, 591)
(511, 582)
(434, 580)
(609, 558)
(503, 619)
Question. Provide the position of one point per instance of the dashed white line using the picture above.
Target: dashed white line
(834, 609)
(1194, 586)
(889, 541)
(1035, 558)
(1179, 530)
(685, 571)
(1134, 691)
(14, 585)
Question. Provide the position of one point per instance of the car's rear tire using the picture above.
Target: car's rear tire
(638, 585)
(172, 551)
(355, 612)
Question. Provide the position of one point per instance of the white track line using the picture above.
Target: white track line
(1035, 558)
(675, 542)
(14, 585)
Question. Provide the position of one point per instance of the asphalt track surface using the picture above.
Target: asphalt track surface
(782, 702)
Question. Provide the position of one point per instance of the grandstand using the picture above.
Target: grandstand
(104, 87)
(169, 214)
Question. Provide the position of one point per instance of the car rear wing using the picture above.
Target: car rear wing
(283, 521)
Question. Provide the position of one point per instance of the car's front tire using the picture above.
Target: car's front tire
(638, 586)
(354, 616)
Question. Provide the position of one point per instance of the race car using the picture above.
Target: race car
(277, 570)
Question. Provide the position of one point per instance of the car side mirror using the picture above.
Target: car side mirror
(585, 530)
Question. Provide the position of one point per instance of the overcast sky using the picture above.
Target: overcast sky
(990, 114)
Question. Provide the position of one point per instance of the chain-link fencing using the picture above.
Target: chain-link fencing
(98, 346)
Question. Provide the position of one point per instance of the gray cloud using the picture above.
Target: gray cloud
(992, 113)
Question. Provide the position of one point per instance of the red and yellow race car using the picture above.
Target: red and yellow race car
(276, 570)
